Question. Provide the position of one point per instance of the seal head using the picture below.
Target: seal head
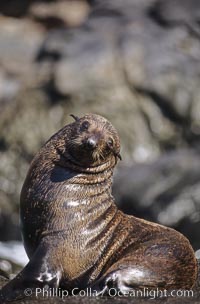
(93, 141)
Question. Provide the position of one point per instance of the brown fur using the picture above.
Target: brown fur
(73, 232)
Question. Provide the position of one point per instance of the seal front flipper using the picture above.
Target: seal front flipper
(40, 272)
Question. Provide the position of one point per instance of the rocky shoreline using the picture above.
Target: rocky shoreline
(135, 62)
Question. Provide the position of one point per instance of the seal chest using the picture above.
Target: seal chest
(73, 232)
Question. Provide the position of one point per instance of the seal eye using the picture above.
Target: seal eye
(85, 125)
(110, 142)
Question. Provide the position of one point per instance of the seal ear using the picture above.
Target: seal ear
(75, 117)
(119, 156)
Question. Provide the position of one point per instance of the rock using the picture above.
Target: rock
(12, 258)
(60, 13)
(14, 8)
(165, 191)
(71, 10)
(14, 252)
(19, 42)
(197, 253)
(9, 86)
(176, 12)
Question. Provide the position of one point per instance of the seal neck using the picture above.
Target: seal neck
(66, 160)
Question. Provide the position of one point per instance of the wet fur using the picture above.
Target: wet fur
(73, 232)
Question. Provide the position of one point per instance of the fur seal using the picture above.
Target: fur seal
(73, 233)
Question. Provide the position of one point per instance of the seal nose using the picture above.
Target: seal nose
(91, 143)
